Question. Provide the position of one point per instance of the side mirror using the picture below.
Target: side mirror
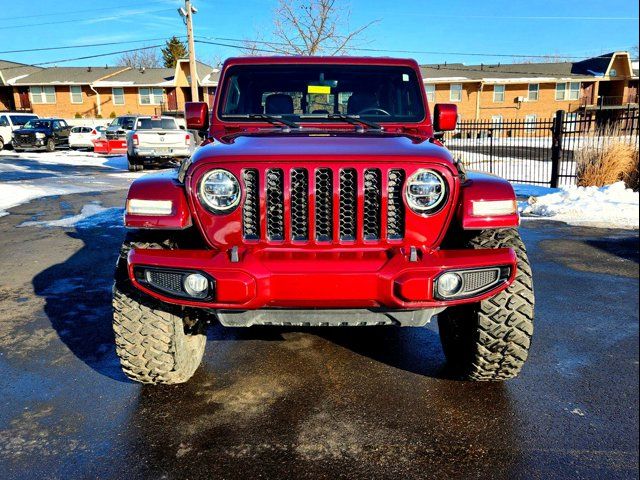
(196, 115)
(445, 117)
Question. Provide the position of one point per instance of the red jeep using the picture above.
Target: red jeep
(321, 197)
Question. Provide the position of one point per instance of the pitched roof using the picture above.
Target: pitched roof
(139, 77)
(11, 70)
(587, 69)
(68, 75)
(510, 72)
(208, 75)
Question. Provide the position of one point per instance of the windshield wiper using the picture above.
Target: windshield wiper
(271, 119)
(355, 120)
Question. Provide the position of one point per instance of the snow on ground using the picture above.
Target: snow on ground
(26, 176)
(612, 206)
(14, 194)
(71, 157)
(91, 215)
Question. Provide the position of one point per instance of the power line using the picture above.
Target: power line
(89, 45)
(111, 17)
(86, 57)
(382, 50)
(443, 66)
(252, 48)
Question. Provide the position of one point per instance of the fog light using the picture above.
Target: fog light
(196, 285)
(449, 284)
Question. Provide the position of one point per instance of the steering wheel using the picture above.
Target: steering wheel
(374, 110)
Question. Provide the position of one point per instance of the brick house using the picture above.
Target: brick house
(107, 91)
(9, 71)
(602, 85)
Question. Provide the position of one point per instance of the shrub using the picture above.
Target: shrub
(77, 115)
(113, 115)
(609, 164)
(632, 177)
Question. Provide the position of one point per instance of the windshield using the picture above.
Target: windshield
(20, 120)
(313, 92)
(126, 123)
(32, 124)
(157, 123)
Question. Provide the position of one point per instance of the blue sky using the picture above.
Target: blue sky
(533, 27)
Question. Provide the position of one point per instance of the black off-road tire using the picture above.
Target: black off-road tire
(1, 143)
(50, 146)
(156, 343)
(490, 340)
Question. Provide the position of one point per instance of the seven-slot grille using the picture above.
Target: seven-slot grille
(325, 209)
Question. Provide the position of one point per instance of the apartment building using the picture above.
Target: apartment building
(102, 91)
(599, 86)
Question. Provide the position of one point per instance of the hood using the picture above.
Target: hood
(312, 146)
(31, 130)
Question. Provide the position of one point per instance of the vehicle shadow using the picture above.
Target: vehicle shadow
(77, 295)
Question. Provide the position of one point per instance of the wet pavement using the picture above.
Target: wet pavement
(280, 403)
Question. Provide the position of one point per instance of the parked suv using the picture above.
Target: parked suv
(321, 198)
(10, 121)
(42, 134)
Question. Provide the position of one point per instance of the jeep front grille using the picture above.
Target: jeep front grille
(323, 205)
(275, 205)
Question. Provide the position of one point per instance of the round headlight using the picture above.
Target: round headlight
(219, 191)
(425, 191)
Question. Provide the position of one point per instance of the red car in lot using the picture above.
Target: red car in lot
(321, 197)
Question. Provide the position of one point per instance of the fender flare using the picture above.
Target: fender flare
(484, 187)
(159, 187)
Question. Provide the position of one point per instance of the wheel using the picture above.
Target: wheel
(134, 163)
(156, 343)
(490, 340)
(1, 144)
(51, 145)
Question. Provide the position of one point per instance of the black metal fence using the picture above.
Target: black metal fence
(538, 151)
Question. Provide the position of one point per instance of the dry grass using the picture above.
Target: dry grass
(609, 164)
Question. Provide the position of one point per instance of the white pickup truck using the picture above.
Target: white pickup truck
(157, 140)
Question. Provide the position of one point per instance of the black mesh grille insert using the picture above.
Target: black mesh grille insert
(251, 207)
(342, 190)
(395, 207)
(299, 204)
(348, 204)
(324, 205)
(167, 281)
(372, 198)
(275, 205)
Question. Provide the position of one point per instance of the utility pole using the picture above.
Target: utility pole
(193, 70)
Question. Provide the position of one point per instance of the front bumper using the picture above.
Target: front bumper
(38, 144)
(161, 152)
(302, 279)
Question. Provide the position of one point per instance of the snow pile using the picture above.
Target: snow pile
(14, 194)
(91, 215)
(610, 206)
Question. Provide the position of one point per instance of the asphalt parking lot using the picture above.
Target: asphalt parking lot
(310, 403)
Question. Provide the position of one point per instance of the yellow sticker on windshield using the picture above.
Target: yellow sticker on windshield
(318, 89)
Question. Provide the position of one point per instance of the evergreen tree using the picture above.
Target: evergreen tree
(173, 51)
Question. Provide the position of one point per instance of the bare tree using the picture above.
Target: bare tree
(309, 27)
(143, 58)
